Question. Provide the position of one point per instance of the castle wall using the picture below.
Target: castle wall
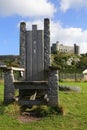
(63, 48)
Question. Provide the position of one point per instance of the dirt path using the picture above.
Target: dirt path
(26, 118)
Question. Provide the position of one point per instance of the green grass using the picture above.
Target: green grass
(75, 106)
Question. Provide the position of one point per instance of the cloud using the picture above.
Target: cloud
(67, 36)
(76, 4)
(30, 8)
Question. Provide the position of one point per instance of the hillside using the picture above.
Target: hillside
(9, 60)
(70, 63)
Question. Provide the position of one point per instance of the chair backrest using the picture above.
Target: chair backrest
(35, 51)
(35, 54)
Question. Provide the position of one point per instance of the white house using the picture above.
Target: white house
(85, 74)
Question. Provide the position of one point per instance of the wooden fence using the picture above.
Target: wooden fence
(71, 77)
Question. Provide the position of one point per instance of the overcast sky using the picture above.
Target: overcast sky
(68, 21)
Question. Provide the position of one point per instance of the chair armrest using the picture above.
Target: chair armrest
(4, 68)
(10, 70)
(17, 69)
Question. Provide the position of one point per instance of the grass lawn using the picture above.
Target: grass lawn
(75, 106)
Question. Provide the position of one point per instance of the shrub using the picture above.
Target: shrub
(48, 110)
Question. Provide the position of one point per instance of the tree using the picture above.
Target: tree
(67, 62)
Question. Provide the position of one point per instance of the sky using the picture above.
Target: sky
(68, 22)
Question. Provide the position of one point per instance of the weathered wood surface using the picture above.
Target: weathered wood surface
(31, 85)
(32, 102)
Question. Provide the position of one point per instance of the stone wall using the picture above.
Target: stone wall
(9, 88)
(53, 87)
(47, 49)
(22, 44)
(64, 48)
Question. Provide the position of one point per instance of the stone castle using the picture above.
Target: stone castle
(66, 49)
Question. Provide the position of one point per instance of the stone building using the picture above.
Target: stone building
(63, 48)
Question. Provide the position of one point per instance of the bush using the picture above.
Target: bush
(48, 110)
(12, 109)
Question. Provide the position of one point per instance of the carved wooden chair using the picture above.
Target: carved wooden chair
(39, 84)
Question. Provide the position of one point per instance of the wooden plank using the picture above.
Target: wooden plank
(17, 69)
(40, 50)
(32, 102)
(31, 86)
(34, 53)
(32, 82)
(28, 55)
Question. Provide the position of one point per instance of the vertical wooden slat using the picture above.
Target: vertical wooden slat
(29, 55)
(34, 52)
(40, 58)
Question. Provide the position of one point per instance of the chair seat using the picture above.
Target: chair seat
(31, 85)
